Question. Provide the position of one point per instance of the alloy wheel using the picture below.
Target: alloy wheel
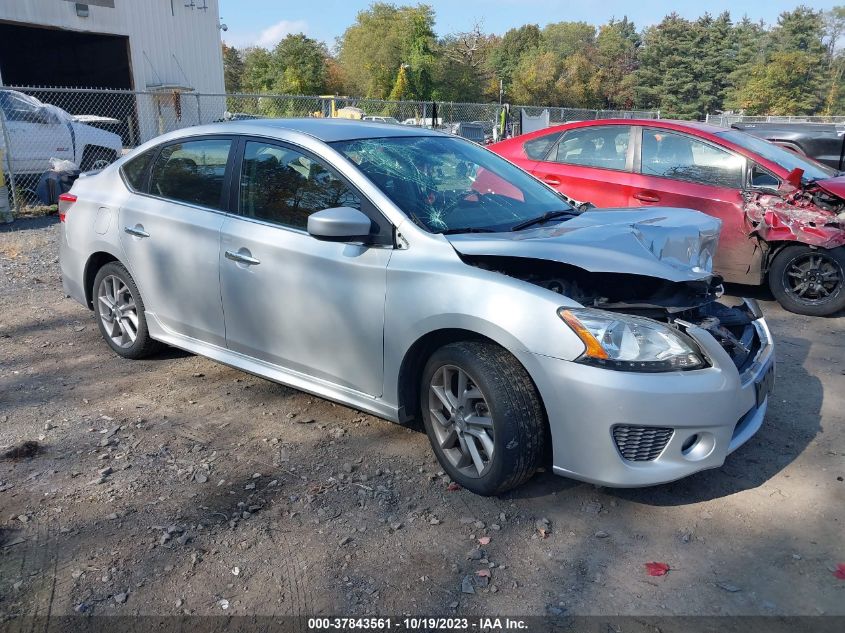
(461, 420)
(813, 278)
(118, 311)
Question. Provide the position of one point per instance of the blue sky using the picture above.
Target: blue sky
(265, 22)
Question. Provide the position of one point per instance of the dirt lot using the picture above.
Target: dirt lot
(179, 485)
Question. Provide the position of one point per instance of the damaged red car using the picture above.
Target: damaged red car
(783, 214)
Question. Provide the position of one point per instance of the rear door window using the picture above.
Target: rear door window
(192, 172)
(604, 146)
(683, 157)
(538, 148)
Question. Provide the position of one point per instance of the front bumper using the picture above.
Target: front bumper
(718, 409)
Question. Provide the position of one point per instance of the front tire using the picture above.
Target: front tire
(95, 158)
(120, 313)
(809, 281)
(483, 416)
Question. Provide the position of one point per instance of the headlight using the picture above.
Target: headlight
(629, 343)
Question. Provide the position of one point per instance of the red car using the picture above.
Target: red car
(783, 214)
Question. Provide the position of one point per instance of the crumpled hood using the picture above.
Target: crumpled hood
(668, 243)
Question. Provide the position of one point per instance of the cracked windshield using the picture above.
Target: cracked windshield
(447, 185)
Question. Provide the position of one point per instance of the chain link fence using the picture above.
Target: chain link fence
(727, 120)
(48, 135)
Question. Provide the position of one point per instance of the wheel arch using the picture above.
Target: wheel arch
(95, 262)
(91, 149)
(413, 363)
(773, 250)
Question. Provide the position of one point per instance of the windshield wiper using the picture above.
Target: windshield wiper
(467, 229)
(548, 215)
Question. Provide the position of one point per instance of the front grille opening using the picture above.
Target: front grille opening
(743, 423)
(641, 443)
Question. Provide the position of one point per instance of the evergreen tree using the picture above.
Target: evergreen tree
(233, 69)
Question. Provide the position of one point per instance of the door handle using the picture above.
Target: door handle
(551, 180)
(645, 196)
(241, 258)
(137, 231)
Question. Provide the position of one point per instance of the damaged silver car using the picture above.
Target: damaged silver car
(423, 279)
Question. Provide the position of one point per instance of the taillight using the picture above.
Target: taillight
(66, 201)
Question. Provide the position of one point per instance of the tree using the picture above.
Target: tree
(258, 75)
(421, 58)
(666, 76)
(750, 44)
(834, 29)
(716, 53)
(299, 65)
(515, 44)
(233, 69)
(383, 38)
(568, 38)
(535, 79)
(779, 85)
(463, 71)
(402, 87)
(617, 46)
(579, 84)
(793, 76)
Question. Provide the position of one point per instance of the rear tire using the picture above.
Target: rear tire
(483, 416)
(120, 313)
(809, 281)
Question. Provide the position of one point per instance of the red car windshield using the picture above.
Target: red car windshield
(777, 154)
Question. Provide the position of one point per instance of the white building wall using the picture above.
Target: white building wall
(172, 48)
(170, 43)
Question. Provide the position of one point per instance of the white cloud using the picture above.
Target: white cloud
(272, 35)
(268, 37)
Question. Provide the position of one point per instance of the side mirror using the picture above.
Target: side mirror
(341, 224)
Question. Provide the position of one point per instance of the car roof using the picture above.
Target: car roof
(665, 123)
(705, 131)
(326, 130)
(696, 128)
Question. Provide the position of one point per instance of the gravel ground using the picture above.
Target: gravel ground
(177, 485)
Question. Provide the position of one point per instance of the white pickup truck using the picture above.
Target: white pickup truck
(36, 132)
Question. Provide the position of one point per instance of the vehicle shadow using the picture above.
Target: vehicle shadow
(782, 438)
(30, 224)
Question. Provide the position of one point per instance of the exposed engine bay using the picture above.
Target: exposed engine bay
(807, 214)
(675, 303)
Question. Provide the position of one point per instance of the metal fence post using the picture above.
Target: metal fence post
(14, 204)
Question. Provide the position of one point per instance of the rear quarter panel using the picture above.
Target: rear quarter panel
(91, 226)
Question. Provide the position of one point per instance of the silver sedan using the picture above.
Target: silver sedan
(423, 279)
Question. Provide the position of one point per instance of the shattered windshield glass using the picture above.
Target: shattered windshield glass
(777, 154)
(448, 185)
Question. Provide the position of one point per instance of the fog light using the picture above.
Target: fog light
(688, 444)
(698, 446)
